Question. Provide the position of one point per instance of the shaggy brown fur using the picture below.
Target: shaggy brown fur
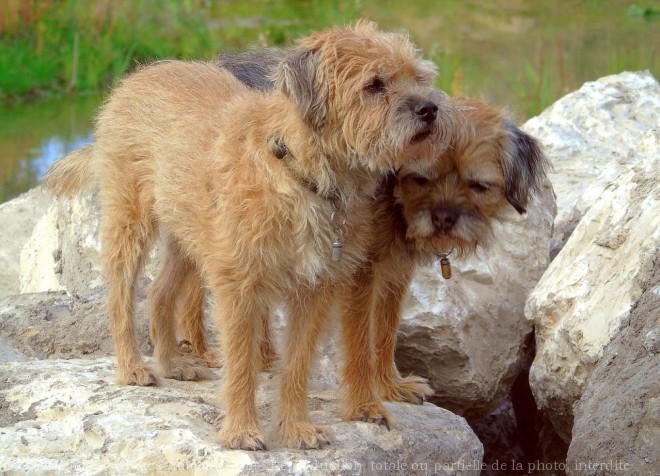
(183, 148)
(428, 208)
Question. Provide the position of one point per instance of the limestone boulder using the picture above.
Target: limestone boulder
(467, 334)
(18, 217)
(62, 252)
(69, 417)
(49, 244)
(593, 135)
(52, 244)
(588, 291)
(617, 419)
(464, 334)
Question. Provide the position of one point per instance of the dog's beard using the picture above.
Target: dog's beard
(404, 137)
(464, 237)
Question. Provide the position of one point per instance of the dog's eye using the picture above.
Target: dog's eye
(478, 187)
(421, 181)
(376, 86)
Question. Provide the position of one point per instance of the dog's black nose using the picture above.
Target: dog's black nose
(444, 219)
(427, 111)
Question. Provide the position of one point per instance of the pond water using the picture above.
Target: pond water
(523, 54)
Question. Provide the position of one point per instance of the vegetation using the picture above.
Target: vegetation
(53, 47)
(58, 57)
(58, 47)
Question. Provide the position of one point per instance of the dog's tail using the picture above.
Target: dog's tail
(71, 173)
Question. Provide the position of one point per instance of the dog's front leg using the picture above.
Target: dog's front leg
(390, 291)
(361, 400)
(308, 310)
(239, 313)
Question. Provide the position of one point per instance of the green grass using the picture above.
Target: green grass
(80, 46)
(647, 12)
(67, 47)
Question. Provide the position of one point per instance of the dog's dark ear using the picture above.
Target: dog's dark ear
(524, 167)
(300, 78)
(254, 68)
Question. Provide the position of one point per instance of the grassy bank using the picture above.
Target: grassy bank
(54, 47)
(523, 53)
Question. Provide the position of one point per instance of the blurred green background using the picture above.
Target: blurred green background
(58, 58)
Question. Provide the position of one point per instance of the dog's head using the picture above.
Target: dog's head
(450, 202)
(367, 95)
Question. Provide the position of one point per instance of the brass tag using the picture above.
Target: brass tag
(445, 267)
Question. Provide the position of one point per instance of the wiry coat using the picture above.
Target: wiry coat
(182, 148)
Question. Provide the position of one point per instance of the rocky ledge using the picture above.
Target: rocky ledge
(69, 417)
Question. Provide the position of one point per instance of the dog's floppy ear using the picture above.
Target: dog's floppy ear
(524, 167)
(300, 78)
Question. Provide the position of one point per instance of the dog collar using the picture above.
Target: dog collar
(278, 148)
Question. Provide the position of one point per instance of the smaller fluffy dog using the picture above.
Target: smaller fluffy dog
(428, 208)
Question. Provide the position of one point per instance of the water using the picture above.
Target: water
(523, 54)
(33, 136)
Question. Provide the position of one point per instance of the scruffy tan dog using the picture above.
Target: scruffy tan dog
(427, 209)
(187, 149)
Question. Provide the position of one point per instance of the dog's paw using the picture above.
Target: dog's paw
(141, 375)
(372, 412)
(411, 389)
(249, 440)
(211, 359)
(305, 437)
(186, 367)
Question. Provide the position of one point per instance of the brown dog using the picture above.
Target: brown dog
(431, 209)
(187, 148)
(426, 209)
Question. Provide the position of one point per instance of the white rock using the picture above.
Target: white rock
(69, 417)
(588, 290)
(593, 135)
(18, 218)
(622, 392)
(63, 250)
(57, 325)
(39, 261)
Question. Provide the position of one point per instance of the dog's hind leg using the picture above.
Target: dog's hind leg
(126, 232)
(190, 317)
(307, 314)
(267, 348)
(175, 269)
